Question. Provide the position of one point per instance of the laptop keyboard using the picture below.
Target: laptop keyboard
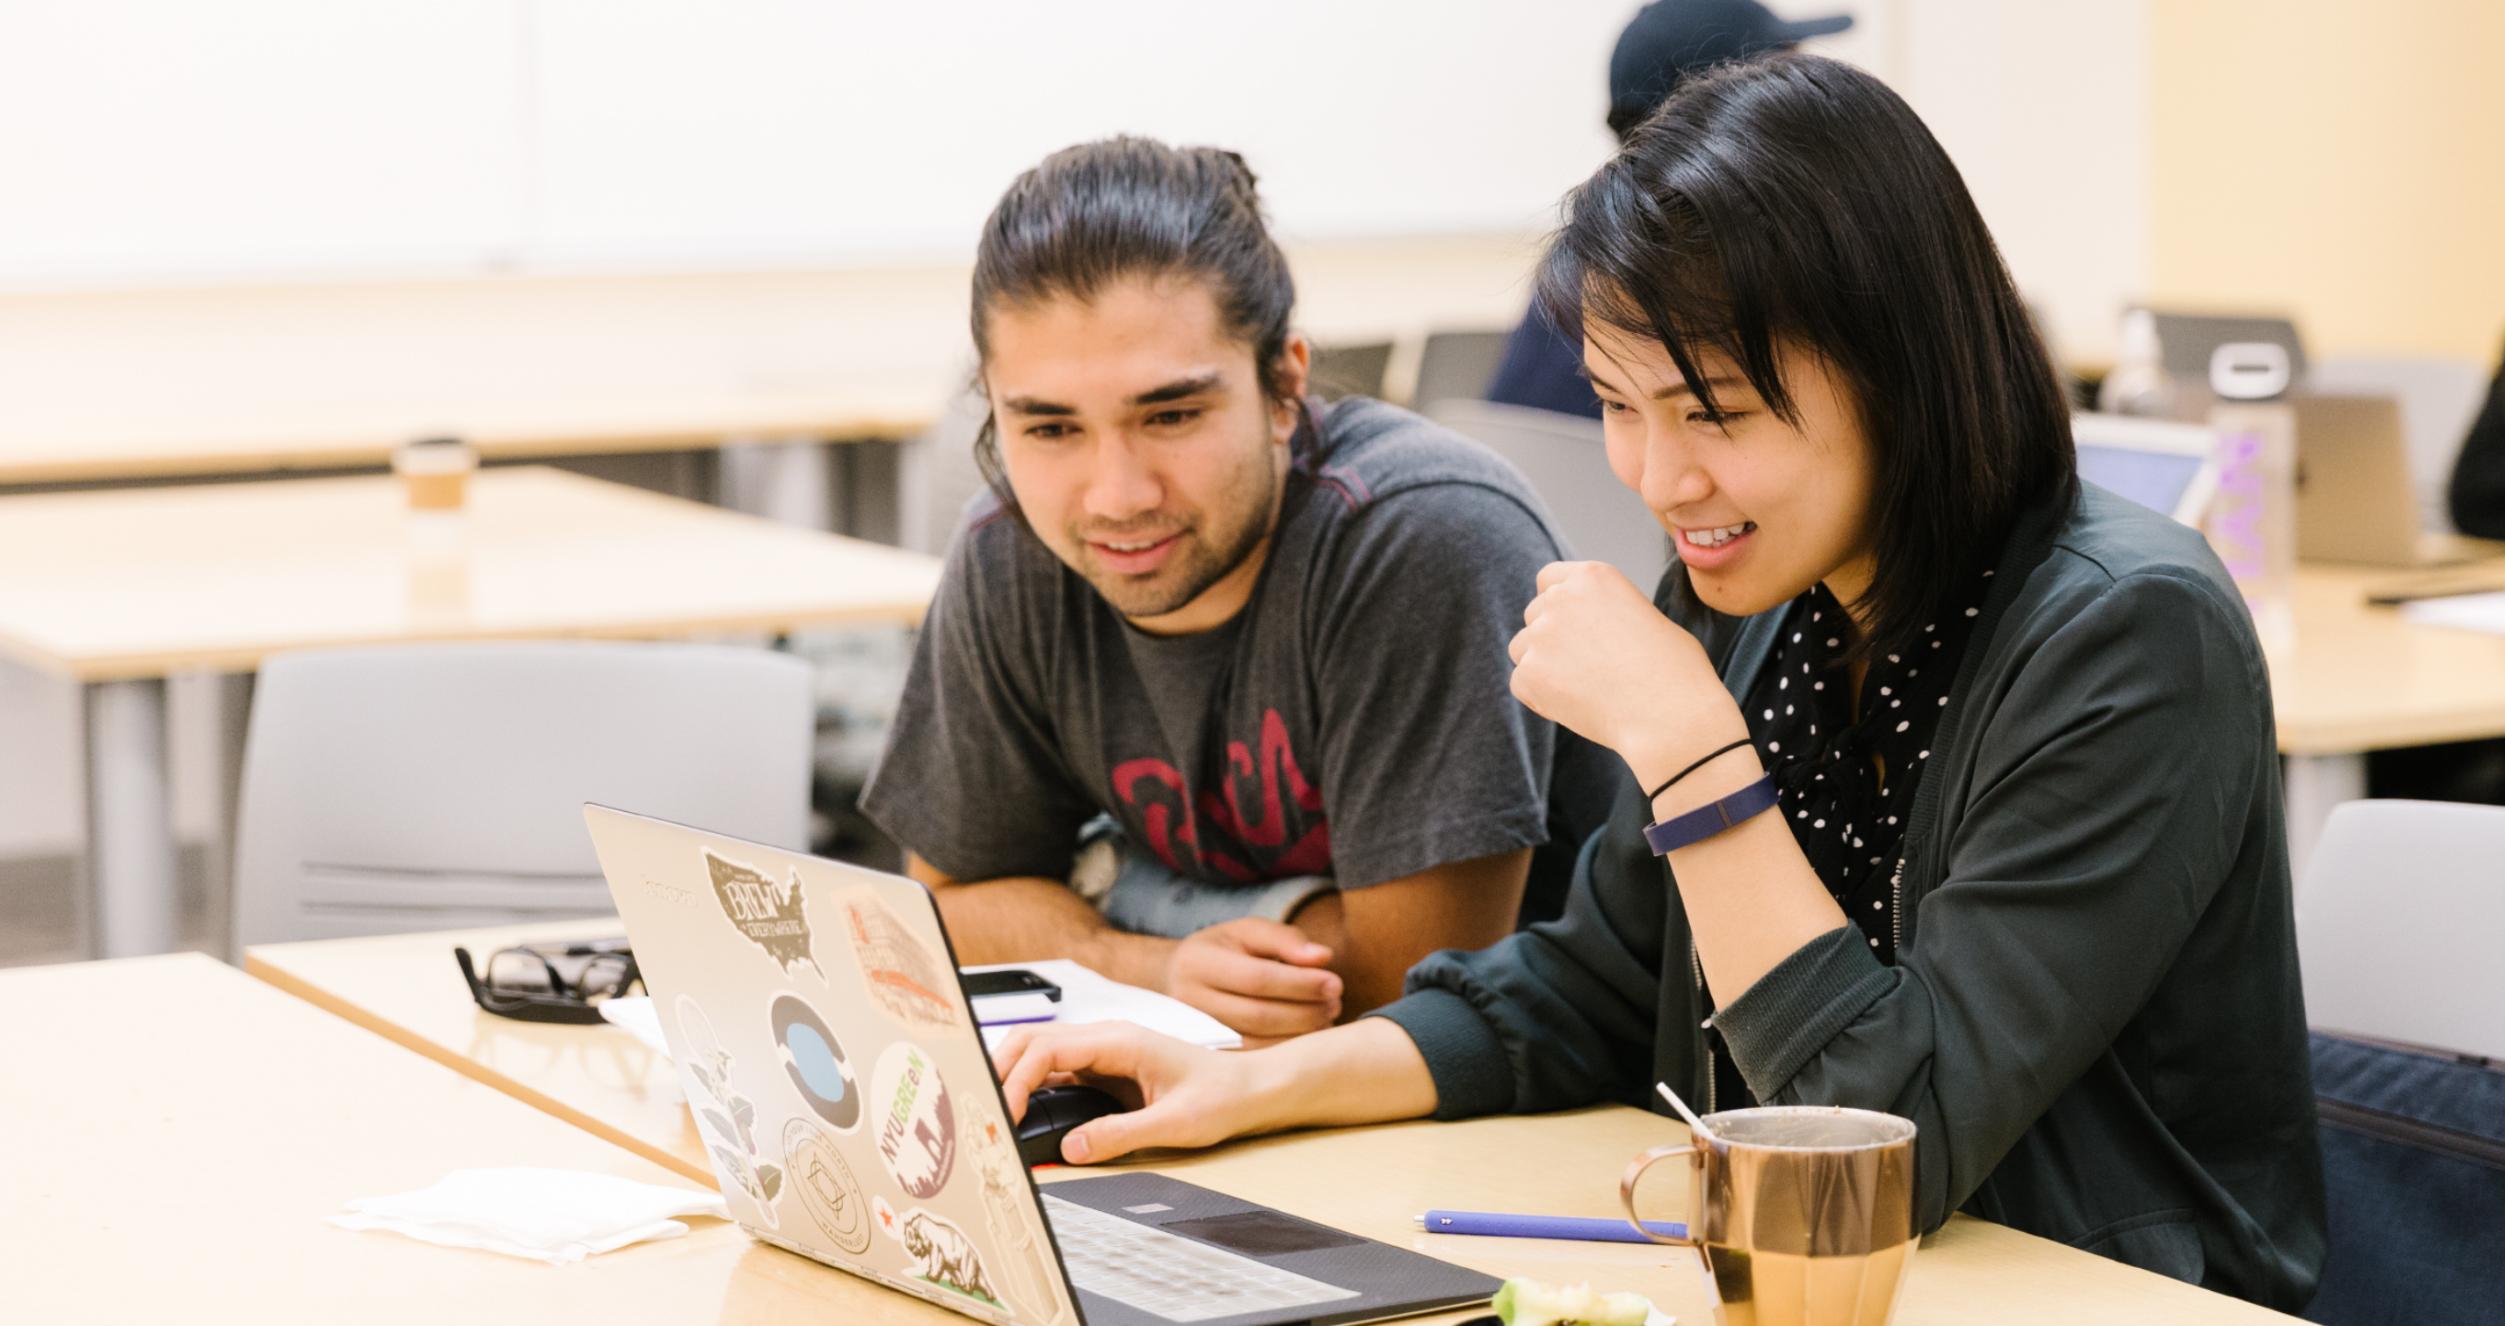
(1169, 1276)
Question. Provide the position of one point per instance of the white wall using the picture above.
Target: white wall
(146, 139)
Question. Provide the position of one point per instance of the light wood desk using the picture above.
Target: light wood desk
(1970, 1272)
(120, 588)
(2364, 678)
(179, 1134)
(240, 379)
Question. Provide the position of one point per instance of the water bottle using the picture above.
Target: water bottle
(2252, 522)
(2138, 383)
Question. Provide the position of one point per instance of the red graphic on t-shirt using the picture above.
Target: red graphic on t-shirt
(1172, 819)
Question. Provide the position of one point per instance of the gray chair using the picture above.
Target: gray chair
(1457, 366)
(1563, 457)
(1351, 370)
(440, 786)
(2395, 918)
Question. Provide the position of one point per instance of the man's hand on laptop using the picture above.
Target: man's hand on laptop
(1265, 979)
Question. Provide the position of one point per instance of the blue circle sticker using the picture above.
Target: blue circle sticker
(815, 1061)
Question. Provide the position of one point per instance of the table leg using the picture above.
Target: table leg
(2315, 784)
(132, 894)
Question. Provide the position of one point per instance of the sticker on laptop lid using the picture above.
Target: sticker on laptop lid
(725, 1118)
(1018, 1253)
(903, 976)
(916, 1121)
(816, 1063)
(940, 1252)
(828, 1191)
(773, 917)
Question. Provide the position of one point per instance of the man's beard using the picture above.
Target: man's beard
(1205, 554)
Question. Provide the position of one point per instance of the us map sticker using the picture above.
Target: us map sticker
(815, 1061)
(941, 1253)
(916, 1122)
(828, 1191)
(725, 1118)
(902, 975)
(774, 918)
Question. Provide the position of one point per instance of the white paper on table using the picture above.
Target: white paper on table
(1088, 997)
(636, 1014)
(549, 1215)
(2462, 612)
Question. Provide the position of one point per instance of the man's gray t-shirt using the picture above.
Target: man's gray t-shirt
(1354, 720)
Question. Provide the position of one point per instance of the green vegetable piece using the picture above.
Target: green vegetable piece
(1530, 1303)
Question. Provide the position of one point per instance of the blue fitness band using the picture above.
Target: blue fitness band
(1667, 836)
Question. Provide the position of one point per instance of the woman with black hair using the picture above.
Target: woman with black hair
(1954, 790)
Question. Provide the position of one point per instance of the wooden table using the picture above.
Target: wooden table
(238, 379)
(2363, 678)
(1969, 1272)
(120, 588)
(179, 1135)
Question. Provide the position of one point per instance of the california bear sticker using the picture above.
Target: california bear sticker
(815, 1061)
(941, 1253)
(902, 975)
(773, 918)
(828, 1191)
(916, 1122)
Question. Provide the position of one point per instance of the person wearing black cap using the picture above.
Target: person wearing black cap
(1667, 41)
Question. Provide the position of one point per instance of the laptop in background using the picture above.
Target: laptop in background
(2354, 499)
(2186, 341)
(2162, 465)
(848, 1106)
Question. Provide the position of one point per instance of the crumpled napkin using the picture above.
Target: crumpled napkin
(552, 1215)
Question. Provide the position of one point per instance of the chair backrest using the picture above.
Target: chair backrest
(1351, 370)
(939, 475)
(1457, 366)
(2396, 925)
(1565, 460)
(2439, 397)
(438, 786)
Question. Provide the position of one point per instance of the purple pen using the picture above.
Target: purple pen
(1588, 1229)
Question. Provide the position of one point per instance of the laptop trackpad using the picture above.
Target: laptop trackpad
(1262, 1233)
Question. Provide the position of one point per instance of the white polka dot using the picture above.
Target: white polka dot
(1813, 729)
(1795, 637)
(1832, 642)
(1804, 669)
(1885, 691)
(1935, 644)
(1787, 710)
(1817, 616)
(1930, 627)
(1925, 755)
(1769, 715)
(1817, 824)
(1874, 943)
(1987, 575)
(1856, 842)
(1916, 672)
(1894, 659)
(1800, 814)
(1783, 683)
(1817, 685)
(1891, 819)
(1906, 724)
(1774, 745)
(1876, 905)
(1971, 612)
(1943, 700)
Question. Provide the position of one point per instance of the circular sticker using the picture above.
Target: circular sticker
(917, 1124)
(816, 1063)
(828, 1191)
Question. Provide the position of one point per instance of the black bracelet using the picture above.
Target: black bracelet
(1674, 778)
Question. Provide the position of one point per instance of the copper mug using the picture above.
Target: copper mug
(1803, 1214)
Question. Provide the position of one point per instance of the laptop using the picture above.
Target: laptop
(848, 1106)
(2354, 498)
(2165, 466)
